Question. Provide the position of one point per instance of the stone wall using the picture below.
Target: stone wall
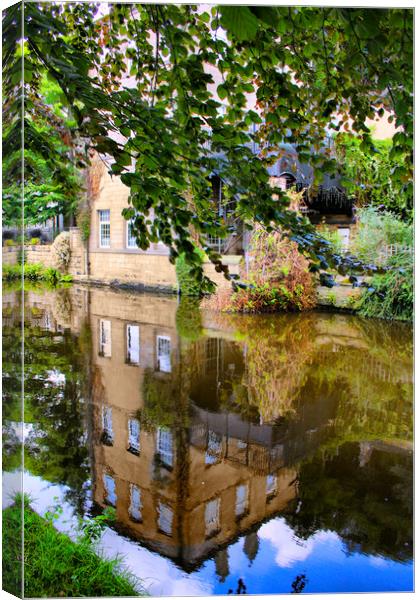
(39, 254)
(10, 255)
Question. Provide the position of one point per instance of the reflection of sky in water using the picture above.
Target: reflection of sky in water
(322, 558)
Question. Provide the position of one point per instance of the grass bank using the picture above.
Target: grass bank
(55, 565)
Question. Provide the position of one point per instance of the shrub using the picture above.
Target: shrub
(277, 279)
(35, 241)
(9, 242)
(34, 272)
(391, 295)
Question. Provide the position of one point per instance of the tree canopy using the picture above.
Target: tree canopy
(163, 92)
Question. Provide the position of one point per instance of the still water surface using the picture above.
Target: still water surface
(266, 454)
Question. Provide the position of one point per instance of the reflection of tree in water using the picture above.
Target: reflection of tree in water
(367, 500)
(55, 403)
(299, 583)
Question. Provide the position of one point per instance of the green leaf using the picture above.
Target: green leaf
(239, 21)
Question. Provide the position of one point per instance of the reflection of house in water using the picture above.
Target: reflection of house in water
(197, 481)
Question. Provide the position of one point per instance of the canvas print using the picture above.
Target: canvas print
(207, 264)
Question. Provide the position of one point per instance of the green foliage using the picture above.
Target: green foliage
(10, 243)
(189, 275)
(351, 62)
(35, 241)
(332, 236)
(376, 230)
(188, 319)
(391, 295)
(369, 176)
(35, 272)
(83, 222)
(54, 565)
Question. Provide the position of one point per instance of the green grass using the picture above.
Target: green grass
(55, 565)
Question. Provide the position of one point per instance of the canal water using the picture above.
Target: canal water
(242, 454)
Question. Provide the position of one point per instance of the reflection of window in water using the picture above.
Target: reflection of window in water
(271, 485)
(214, 448)
(241, 499)
(104, 338)
(107, 423)
(165, 518)
(110, 495)
(164, 353)
(134, 435)
(133, 344)
(242, 445)
(135, 502)
(212, 516)
(164, 446)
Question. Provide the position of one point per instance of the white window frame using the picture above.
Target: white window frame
(136, 505)
(165, 446)
(165, 518)
(129, 330)
(109, 487)
(134, 434)
(130, 239)
(241, 501)
(271, 485)
(212, 516)
(163, 360)
(107, 422)
(104, 241)
(105, 333)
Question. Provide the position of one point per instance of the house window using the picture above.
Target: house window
(214, 448)
(344, 233)
(110, 495)
(165, 518)
(164, 353)
(241, 500)
(135, 503)
(271, 485)
(104, 338)
(133, 344)
(104, 228)
(107, 432)
(165, 446)
(134, 435)
(131, 238)
(212, 516)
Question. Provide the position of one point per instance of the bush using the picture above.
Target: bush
(9, 242)
(391, 295)
(35, 241)
(278, 278)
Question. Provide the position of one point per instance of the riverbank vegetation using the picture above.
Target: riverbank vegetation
(54, 564)
(34, 272)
